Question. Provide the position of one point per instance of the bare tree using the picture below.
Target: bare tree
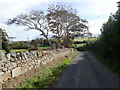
(63, 22)
(35, 19)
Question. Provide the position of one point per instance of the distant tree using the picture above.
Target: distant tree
(35, 20)
(4, 40)
(37, 42)
(19, 45)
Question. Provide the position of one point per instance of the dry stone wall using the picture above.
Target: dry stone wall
(16, 63)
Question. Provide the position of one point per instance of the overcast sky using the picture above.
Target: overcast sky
(95, 11)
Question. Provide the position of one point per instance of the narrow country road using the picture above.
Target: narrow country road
(86, 72)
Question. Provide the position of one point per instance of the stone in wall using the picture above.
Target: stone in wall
(4, 69)
(16, 71)
(23, 70)
(5, 76)
(13, 55)
(1, 73)
(8, 56)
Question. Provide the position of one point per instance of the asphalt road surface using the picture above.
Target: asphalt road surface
(86, 72)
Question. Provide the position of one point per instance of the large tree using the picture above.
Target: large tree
(64, 22)
(35, 19)
(61, 20)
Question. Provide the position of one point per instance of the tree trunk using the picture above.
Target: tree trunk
(50, 43)
(58, 43)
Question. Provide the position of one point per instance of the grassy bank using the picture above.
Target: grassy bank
(108, 62)
(47, 75)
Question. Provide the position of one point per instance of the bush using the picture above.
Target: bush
(33, 48)
(6, 46)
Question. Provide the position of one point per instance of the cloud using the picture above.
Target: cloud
(95, 11)
(11, 8)
(96, 25)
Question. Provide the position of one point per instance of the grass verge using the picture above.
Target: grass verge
(47, 75)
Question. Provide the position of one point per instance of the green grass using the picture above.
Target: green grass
(44, 47)
(47, 76)
(14, 50)
(79, 45)
(84, 39)
(81, 39)
(22, 50)
(3, 51)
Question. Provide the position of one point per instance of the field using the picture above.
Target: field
(79, 45)
(22, 50)
(44, 47)
(14, 50)
(84, 39)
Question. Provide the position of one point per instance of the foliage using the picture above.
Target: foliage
(4, 41)
(108, 44)
(37, 42)
(109, 39)
(6, 46)
(68, 41)
(19, 45)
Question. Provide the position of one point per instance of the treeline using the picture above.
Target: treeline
(108, 44)
(29, 44)
(35, 43)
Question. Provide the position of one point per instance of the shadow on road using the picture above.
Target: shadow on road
(80, 49)
(86, 72)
